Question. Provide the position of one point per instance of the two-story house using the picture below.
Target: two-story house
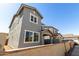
(26, 29)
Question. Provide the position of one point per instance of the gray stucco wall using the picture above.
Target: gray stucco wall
(27, 25)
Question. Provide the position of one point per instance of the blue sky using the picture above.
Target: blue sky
(65, 17)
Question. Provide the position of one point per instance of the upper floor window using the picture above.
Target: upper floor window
(33, 18)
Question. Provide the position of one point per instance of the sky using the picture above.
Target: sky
(63, 16)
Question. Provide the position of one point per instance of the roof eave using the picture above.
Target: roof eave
(27, 6)
(20, 9)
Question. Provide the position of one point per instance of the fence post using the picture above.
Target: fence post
(66, 53)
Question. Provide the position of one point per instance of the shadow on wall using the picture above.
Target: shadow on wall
(53, 41)
(56, 41)
(47, 41)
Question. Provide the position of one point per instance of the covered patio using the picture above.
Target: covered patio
(48, 37)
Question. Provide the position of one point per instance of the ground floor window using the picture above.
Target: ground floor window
(36, 37)
(28, 36)
(31, 36)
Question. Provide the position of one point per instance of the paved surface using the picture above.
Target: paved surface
(75, 51)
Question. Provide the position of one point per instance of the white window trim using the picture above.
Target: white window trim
(34, 16)
(33, 37)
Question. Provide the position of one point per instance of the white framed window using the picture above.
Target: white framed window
(28, 36)
(36, 37)
(31, 36)
(33, 18)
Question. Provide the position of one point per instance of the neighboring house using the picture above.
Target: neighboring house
(68, 36)
(27, 30)
(71, 37)
(49, 34)
(60, 37)
(3, 38)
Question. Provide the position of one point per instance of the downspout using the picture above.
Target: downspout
(42, 42)
(53, 37)
(66, 53)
